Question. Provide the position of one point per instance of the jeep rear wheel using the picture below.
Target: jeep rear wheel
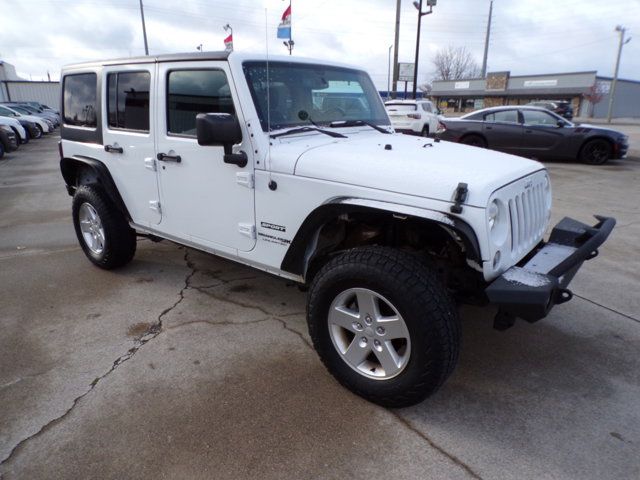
(384, 325)
(102, 230)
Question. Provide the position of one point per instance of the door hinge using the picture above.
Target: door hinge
(150, 164)
(245, 179)
(155, 206)
(248, 230)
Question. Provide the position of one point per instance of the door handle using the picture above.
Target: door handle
(489, 128)
(528, 131)
(163, 157)
(113, 149)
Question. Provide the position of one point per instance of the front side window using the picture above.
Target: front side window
(191, 92)
(128, 100)
(6, 112)
(537, 117)
(504, 116)
(79, 100)
(293, 94)
(427, 107)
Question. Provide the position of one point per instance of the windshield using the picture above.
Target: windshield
(302, 94)
(23, 111)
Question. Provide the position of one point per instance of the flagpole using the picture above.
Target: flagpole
(290, 28)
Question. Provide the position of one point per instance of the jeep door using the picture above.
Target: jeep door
(128, 137)
(203, 199)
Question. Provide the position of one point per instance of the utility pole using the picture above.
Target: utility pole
(389, 74)
(418, 5)
(486, 42)
(612, 92)
(396, 72)
(144, 30)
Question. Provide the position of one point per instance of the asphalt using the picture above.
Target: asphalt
(183, 365)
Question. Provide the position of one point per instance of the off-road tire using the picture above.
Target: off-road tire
(421, 299)
(119, 238)
(474, 141)
(595, 152)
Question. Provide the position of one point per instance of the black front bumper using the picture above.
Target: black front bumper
(530, 290)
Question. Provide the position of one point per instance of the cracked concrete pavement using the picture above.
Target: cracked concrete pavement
(184, 365)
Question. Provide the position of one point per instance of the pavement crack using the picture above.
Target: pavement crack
(607, 308)
(218, 323)
(152, 332)
(435, 446)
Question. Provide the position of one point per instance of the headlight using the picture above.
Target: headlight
(498, 222)
(493, 212)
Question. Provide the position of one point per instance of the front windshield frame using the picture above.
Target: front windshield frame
(377, 114)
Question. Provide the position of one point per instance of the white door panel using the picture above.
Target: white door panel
(129, 138)
(202, 198)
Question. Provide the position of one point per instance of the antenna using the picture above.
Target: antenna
(266, 38)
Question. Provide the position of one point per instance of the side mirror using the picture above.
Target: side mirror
(560, 123)
(221, 129)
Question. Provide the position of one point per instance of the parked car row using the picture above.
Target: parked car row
(21, 122)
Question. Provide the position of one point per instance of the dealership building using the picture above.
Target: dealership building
(16, 89)
(501, 88)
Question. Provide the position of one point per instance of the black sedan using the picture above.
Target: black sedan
(535, 133)
(8, 140)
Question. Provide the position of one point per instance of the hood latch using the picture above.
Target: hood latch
(459, 197)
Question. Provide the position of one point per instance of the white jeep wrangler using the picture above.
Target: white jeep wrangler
(291, 166)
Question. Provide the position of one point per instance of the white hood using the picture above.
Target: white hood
(400, 163)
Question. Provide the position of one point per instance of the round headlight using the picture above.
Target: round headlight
(494, 212)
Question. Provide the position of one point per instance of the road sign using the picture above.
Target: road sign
(405, 71)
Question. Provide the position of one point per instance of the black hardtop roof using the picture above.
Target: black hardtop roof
(170, 57)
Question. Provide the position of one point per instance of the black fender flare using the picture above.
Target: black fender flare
(304, 244)
(72, 167)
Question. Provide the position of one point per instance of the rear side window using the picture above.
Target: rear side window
(128, 100)
(427, 107)
(79, 100)
(191, 92)
(505, 116)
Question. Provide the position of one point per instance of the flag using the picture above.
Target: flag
(284, 29)
(228, 43)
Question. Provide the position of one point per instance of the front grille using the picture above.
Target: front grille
(528, 216)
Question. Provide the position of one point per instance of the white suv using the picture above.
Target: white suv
(290, 166)
(415, 117)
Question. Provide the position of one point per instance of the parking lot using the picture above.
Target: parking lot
(183, 365)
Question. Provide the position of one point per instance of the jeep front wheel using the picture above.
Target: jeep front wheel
(384, 325)
(102, 230)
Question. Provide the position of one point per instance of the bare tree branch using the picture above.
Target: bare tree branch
(453, 63)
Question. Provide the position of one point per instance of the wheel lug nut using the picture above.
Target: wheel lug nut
(357, 326)
(380, 331)
(367, 320)
(363, 342)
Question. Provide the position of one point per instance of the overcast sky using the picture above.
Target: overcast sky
(528, 36)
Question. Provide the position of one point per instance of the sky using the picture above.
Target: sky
(528, 36)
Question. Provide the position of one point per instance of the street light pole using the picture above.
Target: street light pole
(144, 30)
(389, 74)
(612, 92)
(418, 5)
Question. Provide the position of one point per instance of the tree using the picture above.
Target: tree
(595, 95)
(453, 63)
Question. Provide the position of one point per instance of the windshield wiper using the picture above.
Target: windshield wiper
(357, 123)
(308, 129)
